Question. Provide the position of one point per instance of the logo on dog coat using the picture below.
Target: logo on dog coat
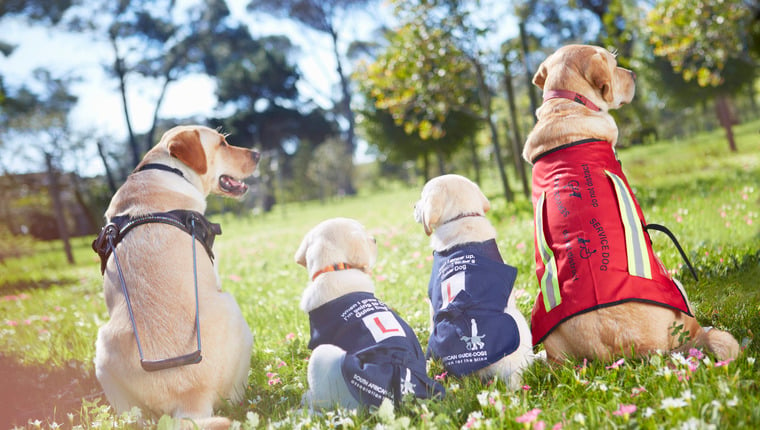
(474, 341)
(383, 325)
(469, 289)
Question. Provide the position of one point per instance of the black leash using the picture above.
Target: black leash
(672, 237)
(105, 245)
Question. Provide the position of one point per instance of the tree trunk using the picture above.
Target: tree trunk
(55, 197)
(345, 107)
(516, 135)
(122, 74)
(475, 159)
(149, 138)
(528, 72)
(485, 99)
(727, 119)
(109, 173)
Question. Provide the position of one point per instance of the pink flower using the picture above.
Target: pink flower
(529, 416)
(625, 410)
(416, 254)
(526, 387)
(12, 323)
(539, 425)
(27, 321)
(274, 381)
(637, 390)
(616, 364)
(441, 377)
(290, 336)
(234, 278)
(429, 258)
(557, 426)
(723, 363)
(520, 246)
(281, 363)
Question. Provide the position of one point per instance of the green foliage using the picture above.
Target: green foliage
(701, 40)
(707, 196)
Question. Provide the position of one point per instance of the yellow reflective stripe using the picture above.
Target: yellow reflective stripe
(549, 283)
(635, 243)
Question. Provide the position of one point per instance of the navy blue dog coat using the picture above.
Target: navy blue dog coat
(383, 358)
(469, 288)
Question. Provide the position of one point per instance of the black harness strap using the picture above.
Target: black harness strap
(193, 223)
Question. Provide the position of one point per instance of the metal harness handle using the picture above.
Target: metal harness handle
(111, 231)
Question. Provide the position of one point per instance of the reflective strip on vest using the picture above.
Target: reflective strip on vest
(635, 243)
(549, 282)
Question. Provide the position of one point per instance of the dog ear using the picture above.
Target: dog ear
(540, 77)
(486, 203)
(186, 146)
(432, 206)
(300, 255)
(598, 73)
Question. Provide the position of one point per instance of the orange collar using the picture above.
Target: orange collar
(333, 268)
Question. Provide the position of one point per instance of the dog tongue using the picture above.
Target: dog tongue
(231, 185)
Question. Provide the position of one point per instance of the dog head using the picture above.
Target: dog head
(337, 241)
(205, 153)
(590, 71)
(581, 84)
(447, 198)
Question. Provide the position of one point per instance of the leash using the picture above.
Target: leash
(111, 233)
(663, 229)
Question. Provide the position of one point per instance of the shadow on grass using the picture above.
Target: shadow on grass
(38, 393)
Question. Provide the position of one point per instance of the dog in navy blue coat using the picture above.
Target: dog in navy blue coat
(476, 327)
(363, 352)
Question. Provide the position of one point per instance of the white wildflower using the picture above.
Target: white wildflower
(751, 361)
(694, 423)
(385, 411)
(648, 412)
(732, 402)
(483, 398)
(672, 403)
(579, 418)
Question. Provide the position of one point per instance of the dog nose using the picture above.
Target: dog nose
(256, 156)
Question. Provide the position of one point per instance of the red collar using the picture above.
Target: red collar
(571, 95)
(333, 268)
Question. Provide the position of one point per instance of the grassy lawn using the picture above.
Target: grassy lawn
(50, 312)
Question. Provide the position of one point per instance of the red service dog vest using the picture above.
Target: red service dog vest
(592, 250)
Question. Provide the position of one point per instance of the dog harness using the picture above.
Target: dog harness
(383, 358)
(469, 289)
(592, 246)
(193, 223)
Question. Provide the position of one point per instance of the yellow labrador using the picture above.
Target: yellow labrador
(603, 291)
(158, 259)
(476, 327)
(363, 352)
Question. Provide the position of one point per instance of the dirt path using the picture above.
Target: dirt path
(48, 395)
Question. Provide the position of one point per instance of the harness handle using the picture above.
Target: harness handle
(105, 243)
(663, 229)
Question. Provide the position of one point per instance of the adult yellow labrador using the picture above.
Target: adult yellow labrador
(603, 291)
(150, 353)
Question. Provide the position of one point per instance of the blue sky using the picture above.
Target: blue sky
(99, 109)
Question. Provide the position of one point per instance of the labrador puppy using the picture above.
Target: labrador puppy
(363, 352)
(603, 291)
(158, 264)
(475, 324)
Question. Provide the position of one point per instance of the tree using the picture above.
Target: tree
(705, 45)
(323, 16)
(37, 125)
(437, 64)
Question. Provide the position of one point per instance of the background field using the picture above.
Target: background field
(50, 312)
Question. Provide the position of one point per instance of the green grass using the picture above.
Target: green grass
(49, 311)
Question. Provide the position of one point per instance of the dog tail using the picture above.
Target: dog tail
(720, 343)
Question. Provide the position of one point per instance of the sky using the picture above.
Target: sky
(99, 108)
